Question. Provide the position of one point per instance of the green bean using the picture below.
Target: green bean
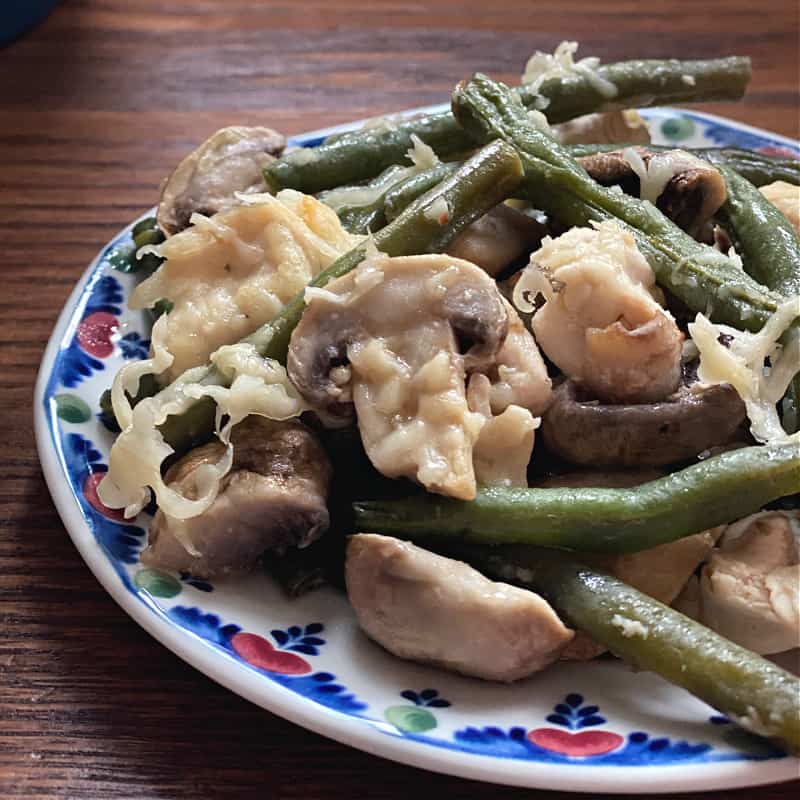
(488, 178)
(770, 251)
(758, 168)
(752, 691)
(702, 277)
(720, 489)
(764, 237)
(356, 214)
(360, 155)
(400, 196)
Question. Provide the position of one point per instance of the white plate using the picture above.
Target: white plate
(595, 727)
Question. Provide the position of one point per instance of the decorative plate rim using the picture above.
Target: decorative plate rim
(353, 731)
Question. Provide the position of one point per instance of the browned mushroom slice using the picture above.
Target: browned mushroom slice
(495, 240)
(230, 161)
(686, 188)
(623, 125)
(273, 498)
(694, 419)
(425, 607)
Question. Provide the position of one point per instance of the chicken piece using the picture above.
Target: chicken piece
(786, 198)
(497, 239)
(424, 607)
(517, 383)
(750, 588)
(230, 273)
(273, 498)
(600, 323)
(686, 188)
(207, 180)
(660, 572)
(395, 340)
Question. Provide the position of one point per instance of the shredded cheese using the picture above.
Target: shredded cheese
(542, 67)
(660, 170)
(422, 157)
(257, 386)
(742, 365)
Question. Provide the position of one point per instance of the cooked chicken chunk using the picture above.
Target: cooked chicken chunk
(424, 607)
(396, 339)
(786, 198)
(230, 273)
(600, 324)
(274, 497)
(207, 180)
(750, 588)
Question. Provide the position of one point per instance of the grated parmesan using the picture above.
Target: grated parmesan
(257, 386)
(541, 67)
(742, 364)
(660, 170)
(630, 627)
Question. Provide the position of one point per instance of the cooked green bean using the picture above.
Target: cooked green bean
(758, 168)
(488, 178)
(764, 238)
(400, 196)
(770, 251)
(720, 489)
(358, 215)
(360, 155)
(702, 277)
(753, 692)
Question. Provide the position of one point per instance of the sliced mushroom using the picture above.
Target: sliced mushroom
(694, 419)
(600, 323)
(273, 498)
(750, 588)
(424, 607)
(605, 128)
(686, 188)
(395, 340)
(229, 161)
(497, 239)
(660, 572)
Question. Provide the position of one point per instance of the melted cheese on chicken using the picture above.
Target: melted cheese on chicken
(600, 323)
(230, 273)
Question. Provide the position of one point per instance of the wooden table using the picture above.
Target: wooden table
(95, 106)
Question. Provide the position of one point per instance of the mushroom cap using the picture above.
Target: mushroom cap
(385, 297)
(693, 189)
(229, 161)
(694, 419)
(274, 497)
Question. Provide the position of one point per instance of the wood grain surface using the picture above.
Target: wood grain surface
(95, 106)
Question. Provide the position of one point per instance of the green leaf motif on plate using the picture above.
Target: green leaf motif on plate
(157, 583)
(71, 408)
(410, 719)
(676, 128)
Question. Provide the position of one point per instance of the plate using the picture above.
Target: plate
(595, 727)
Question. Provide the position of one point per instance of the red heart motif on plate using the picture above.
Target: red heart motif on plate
(95, 332)
(256, 650)
(585, 743)
(90, 493)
